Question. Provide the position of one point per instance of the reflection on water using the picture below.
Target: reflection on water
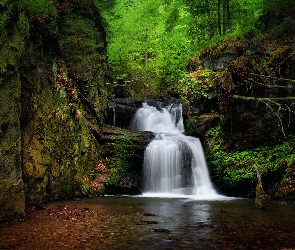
(153, 223)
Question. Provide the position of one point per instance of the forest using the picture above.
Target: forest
(139, 124)
(70, 71)
(150, 42)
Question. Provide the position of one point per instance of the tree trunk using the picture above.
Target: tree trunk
(224, 21)
(219, 16)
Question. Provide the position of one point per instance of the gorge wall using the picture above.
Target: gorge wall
(52, 100)
(247, 87)
(240, 99)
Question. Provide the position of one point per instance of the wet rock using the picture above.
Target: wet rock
(121, 111)
(261, 197)
(145, 222)
(161, 230)
(126, 147)
(48, 92)
(219, 63)
(149, 214)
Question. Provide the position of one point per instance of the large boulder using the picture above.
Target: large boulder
(122, 154)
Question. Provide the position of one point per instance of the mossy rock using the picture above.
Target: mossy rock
(261, 197)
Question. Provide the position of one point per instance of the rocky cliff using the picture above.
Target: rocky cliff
(248, 88)
(240, 99)
(52, 100)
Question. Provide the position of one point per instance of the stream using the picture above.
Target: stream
(152, 223)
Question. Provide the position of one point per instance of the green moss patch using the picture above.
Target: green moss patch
(234, 173)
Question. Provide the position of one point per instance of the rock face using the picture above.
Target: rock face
(121, 111)
(122, 154)
(53, 100)
(12, 197)
(245, 112)
(253, 103)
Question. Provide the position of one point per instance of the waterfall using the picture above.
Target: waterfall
(114, 118)
(174, 164)
(112, 105)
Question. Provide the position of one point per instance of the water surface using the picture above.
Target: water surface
(152, 223)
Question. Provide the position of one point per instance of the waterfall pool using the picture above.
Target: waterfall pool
(152, 223)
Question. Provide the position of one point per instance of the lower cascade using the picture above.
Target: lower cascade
(174, 164)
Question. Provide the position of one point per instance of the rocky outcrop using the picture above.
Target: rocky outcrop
(252, 95)
(53, 100)
(122, 154)
(12, 199)
(121, 111)
(244, 111)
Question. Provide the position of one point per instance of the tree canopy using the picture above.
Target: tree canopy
(151, 40)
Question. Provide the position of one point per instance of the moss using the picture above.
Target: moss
(6, 13)
(234, 173)
(261, 197)
(13, 45)
(82, 36)
(60, 152)
(43, 16)
(23, 24)
(119, 169)
(42, 7)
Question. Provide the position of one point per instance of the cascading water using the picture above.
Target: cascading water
(114, 118)
(174, 164)
(112, 105)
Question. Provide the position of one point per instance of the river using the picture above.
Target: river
(152, 223)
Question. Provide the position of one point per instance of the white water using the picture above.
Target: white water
(174, 164)
(114, 118)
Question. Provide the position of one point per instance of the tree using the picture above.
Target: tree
(153, 39)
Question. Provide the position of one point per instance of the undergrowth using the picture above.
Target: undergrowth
(234, 173)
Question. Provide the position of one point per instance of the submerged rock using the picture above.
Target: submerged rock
(146, 222)
(161, 230)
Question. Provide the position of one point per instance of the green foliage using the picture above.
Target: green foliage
(283, 29)
(212, 132)
(234, 173)
(43, 7)
(82, 38)
(149, 41)
(6, 13)
(197, 86)
(190, 129)
(42, 14)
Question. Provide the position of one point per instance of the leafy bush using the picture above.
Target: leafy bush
(234, 173)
